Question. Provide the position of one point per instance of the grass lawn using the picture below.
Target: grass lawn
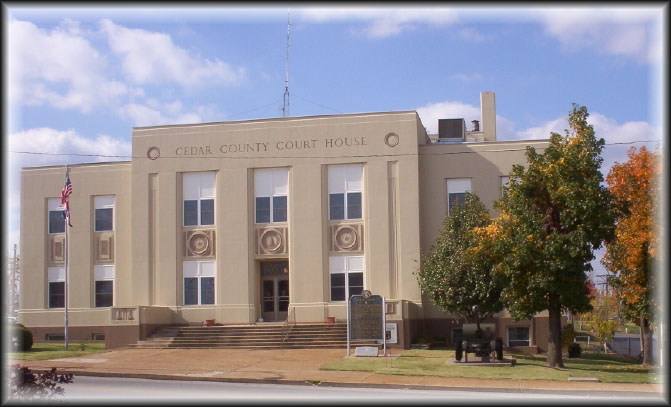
(415, 362)
(43, 351)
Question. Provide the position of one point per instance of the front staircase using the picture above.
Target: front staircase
(259, 336)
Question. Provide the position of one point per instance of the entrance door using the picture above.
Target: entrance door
(274, 290)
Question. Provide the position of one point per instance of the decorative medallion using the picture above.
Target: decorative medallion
(346, 237)
(391, 139)
(271, 240)
(153, 153)
(199, 243)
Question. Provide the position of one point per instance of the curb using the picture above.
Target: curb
(595, 392)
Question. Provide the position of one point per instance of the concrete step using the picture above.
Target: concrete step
(271, 336)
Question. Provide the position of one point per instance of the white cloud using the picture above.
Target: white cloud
(466, 77)
(150, 57)
(471, 34)
(619, 31)
(604, 127)
(154, 113)
(382, 22)
(56, 142)
(41, 63)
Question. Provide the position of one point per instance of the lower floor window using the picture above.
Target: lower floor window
(57, 294)
(104, 285)
(199, 282)
(104, 293)
(518, 336)
(346, 276)
(198, 290)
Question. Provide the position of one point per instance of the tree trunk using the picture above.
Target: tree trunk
(646, 341)
(554, 358)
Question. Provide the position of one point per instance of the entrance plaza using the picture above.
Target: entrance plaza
(256, 221)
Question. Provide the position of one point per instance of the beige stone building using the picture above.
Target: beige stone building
(257, 221)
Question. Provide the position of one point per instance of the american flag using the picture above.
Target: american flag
(65, 193)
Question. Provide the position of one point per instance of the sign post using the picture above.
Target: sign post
(366, 319)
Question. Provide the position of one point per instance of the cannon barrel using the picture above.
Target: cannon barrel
(487, 332)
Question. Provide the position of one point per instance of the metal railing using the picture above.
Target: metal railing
(288, 325)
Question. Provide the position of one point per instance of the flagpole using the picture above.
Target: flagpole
(66, 220)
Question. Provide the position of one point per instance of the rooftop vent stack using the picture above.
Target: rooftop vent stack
(476, 125)
(488, 115)
(451, 129)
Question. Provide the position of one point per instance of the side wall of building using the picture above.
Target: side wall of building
(88, 181)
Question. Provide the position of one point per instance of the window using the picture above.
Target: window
(345, 191)
(346, 276)
(104, 213)
(199, 282)
(456, 192)
(52, 337)
(56, 217)
(56, 287)
(97, 337)
(518, 336)
(198, 191)
(104, 285)
(504, 182)
(271, 190)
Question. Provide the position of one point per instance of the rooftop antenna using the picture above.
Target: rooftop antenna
(285, 106)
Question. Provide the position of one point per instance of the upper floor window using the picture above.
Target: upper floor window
(270, 192)
(504, 182)
(456, 192)
(345, 191)
(104, 212)
(56, 218)
(198, 192)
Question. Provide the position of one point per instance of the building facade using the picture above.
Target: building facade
(257, 221)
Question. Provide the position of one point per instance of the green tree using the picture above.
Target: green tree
(554, 213)
(457, 272)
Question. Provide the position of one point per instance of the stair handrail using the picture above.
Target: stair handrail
(286, 324)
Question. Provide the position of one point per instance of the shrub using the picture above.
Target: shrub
(21, 337)
(567, 335)
(574, 350)
(26, 385)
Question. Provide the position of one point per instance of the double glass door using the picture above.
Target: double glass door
(274, 290)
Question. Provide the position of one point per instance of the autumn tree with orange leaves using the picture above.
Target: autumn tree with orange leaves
(630, 256)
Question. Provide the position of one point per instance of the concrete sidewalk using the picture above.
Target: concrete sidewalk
(290, 366)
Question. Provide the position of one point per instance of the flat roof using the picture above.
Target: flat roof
(276, 119)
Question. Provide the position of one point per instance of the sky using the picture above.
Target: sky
(78, 80)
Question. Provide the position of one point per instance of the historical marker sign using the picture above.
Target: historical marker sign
(366, 317)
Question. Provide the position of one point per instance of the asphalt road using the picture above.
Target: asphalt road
(117, 389)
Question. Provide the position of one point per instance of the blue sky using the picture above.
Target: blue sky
(80, 79)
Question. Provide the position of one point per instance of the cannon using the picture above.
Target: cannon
(478, 338)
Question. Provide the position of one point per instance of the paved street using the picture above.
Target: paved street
(113, 388)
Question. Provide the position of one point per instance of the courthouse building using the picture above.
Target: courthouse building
(255, 221)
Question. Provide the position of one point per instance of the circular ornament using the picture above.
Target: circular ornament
(391, 139)
(153, 153)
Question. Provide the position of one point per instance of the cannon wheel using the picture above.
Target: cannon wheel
(459, 351)
(499, 348)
